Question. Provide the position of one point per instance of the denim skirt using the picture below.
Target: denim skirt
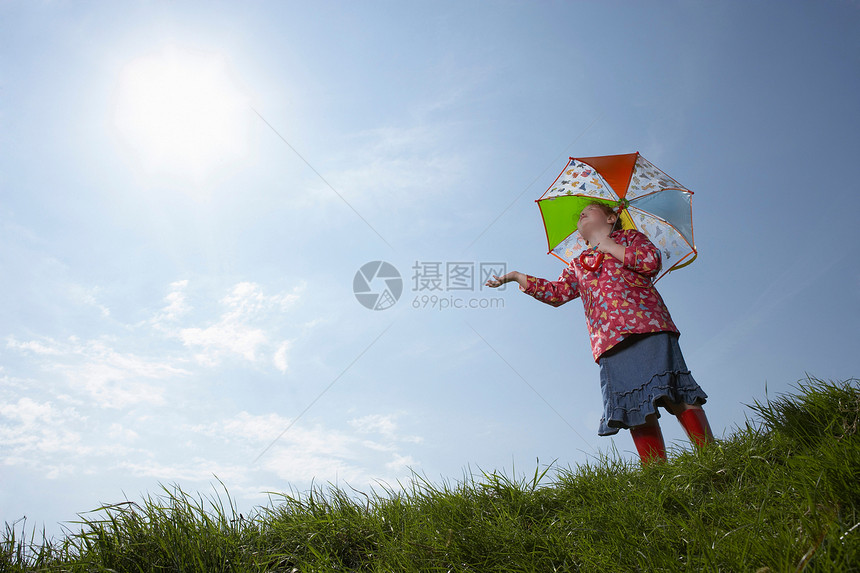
(636, 376)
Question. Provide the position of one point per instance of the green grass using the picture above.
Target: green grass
(780, 494)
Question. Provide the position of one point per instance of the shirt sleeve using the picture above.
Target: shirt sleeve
(641, 256)
(554, 293)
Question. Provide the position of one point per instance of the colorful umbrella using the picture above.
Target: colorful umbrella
(648, 199)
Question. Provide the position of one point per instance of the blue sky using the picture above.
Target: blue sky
(188, 189)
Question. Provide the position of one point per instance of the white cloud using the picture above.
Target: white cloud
(224, 338)
(318, 321)
(300, 455)
(247, 299)
(11, 383)
(298, 464)
(378, 447)
(26, 414)
(118, 432)
(280, 357)
(401, 463)
(374, 423)
(49, 347)
(58, 436)
(245, 426)
(93, 399)
(87, 296)
(112, 379)
(176, 303)
(305, 453)
(197, 469)
(244, 329)
(385, 425)
(37, 434)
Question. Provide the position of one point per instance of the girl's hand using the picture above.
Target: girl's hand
(496, 282)
(607, 244)
(513, 276)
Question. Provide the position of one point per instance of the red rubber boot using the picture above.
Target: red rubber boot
(649, 443)
(695, 423)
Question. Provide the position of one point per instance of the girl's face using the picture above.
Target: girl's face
(594, 219)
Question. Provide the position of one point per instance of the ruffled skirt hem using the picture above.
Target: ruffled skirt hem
(631, 407)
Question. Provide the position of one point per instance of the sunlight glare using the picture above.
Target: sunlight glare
(181, 114)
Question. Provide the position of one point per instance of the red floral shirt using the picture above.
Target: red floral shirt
(618, 298)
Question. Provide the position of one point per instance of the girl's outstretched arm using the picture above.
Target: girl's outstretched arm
(554, 293)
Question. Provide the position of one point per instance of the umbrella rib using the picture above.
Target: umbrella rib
(660, 190)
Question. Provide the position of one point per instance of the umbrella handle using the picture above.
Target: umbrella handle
(597, 262)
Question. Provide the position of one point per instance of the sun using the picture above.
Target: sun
(181, 114)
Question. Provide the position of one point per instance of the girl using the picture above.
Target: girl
(633, 338)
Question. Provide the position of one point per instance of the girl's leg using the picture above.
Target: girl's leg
(648, 439)
(694, 421)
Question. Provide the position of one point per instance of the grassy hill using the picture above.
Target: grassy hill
(780, 494)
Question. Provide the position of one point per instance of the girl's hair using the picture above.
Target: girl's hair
(608, 210)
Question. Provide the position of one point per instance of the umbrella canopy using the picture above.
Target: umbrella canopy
(649, 200)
